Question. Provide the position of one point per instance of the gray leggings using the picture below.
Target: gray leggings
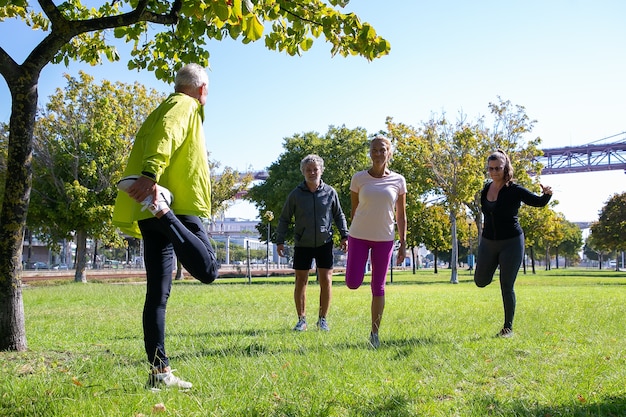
(508, 254)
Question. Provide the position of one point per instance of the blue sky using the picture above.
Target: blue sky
(563, 60)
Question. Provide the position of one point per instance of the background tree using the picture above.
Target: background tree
(435, 227)
(570, 244)
(595, 249)
(609, 232)
(344, 152)
(551, 235)
(540, 228)
(75, 31)
(450, 157)
(82, 141)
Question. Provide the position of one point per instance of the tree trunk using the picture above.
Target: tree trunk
(94, 259)
(532, 259)
(15, 208)
(454, 261)
(81, 256)
(556, 259)
(436, 260)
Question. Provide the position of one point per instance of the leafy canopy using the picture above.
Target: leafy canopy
(286, 26)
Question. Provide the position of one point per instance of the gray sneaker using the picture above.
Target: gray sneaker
(374, 341)
(166, 380)
(505, 332)
(301, 325)
(322, 324)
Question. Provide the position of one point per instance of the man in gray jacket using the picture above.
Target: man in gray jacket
(315, 206)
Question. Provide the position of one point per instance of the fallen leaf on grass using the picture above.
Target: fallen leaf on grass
(158, 408)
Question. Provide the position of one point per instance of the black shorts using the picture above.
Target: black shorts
(323, 255)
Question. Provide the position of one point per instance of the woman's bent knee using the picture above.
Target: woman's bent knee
(481, 283)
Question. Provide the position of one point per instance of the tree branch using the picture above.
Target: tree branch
(8, 68)
(299, 17)
(64, 30)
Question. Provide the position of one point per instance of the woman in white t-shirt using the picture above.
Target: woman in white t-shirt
(376, 194)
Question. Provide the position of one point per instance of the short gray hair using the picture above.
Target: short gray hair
(312, 159)
(191, 75)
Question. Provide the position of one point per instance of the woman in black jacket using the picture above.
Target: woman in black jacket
(502, 241)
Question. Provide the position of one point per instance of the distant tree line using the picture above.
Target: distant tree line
(444, 162)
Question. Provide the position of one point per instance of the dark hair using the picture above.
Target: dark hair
(500, 155)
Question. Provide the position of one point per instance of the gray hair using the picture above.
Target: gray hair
(312, 159)
(191, 75)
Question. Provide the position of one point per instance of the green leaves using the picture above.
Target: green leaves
(82, 140)
(609, 231)
(252, 28)
(164, 39)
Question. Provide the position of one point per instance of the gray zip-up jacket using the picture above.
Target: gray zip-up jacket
(314, 214)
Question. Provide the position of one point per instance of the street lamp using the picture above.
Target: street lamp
(269, 216)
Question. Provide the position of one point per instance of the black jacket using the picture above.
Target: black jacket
(314, 214)
(500, 219)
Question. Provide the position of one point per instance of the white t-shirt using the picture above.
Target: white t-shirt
(374, 217)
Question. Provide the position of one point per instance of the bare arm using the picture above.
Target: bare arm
(401, 223)
(354, 199)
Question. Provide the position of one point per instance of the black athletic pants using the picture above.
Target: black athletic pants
(508, 255)
(185, 236)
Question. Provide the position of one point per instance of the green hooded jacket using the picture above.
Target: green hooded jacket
(169, 146)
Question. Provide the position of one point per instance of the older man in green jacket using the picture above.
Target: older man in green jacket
(165, 192)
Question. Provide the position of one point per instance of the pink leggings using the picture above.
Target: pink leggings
(358, 251)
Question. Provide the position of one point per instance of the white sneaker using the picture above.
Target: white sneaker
(163, 201)
(164, 196)
(167, 380)
(125, 183)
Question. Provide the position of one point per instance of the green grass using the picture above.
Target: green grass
(234, 342)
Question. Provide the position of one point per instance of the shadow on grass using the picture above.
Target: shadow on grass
(584, 273)
(255, 348)
(614, 406)
(387, 406)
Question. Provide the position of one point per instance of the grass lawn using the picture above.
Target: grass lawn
(233, 340)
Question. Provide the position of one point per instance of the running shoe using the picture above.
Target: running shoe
(301, 325)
